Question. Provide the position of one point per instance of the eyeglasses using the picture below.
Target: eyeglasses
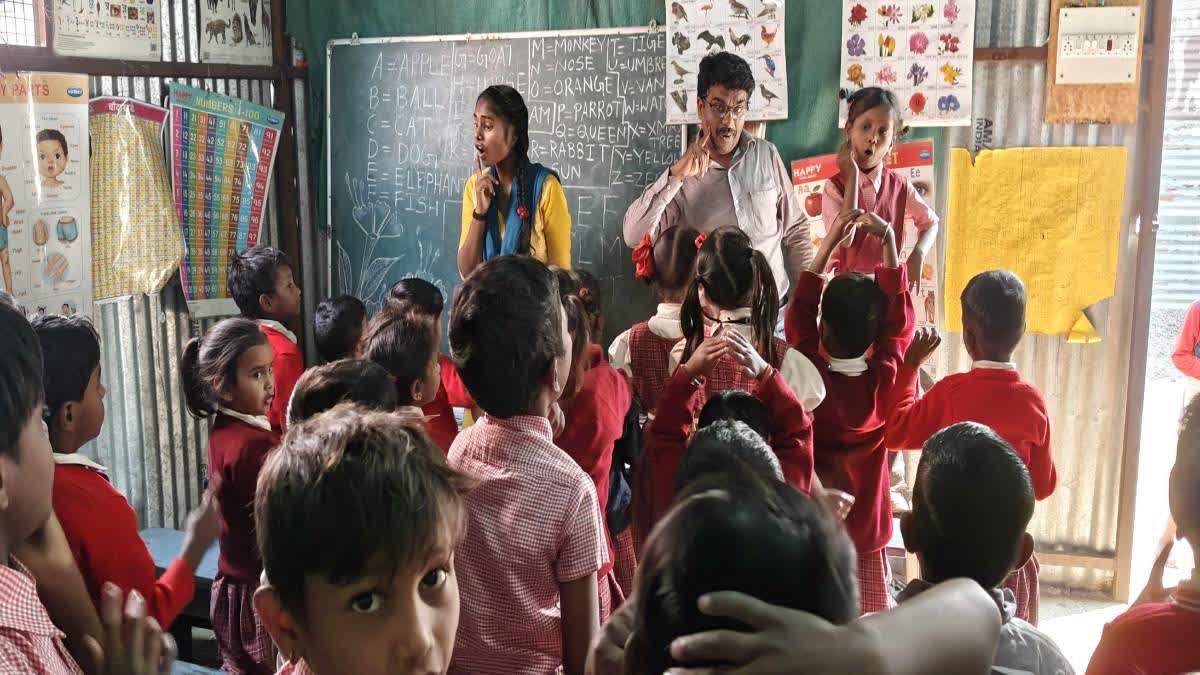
(720, 109)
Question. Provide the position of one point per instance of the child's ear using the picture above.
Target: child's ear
(1024, 551)
(414, 392)
(65, 417)
(278, 622)
(265, 303)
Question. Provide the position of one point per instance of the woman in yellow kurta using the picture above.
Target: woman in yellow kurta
(508, 190)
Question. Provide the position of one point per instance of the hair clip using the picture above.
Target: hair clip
(700, 239)
(522, 212)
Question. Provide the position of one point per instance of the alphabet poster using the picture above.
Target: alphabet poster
(751, 29)
(107, 30)
(235, 31)
(222, 154)
(920, 49)
(45, 228)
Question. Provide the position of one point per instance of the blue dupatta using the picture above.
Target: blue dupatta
(495, 245)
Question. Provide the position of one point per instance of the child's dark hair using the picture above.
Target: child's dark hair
(674, 259)
(508, 105)
(726, 69)
(593, 302)
(73, 347)
(506, 332)
(769, 541)
(993, 309)
(1184, 491)
(733, 275)
(739, 406)
(852, 310)
(415, 293)
(715, 448)
(252, 273)
(578, 325)
(354, 381)
(401, 342)
(21, 389)
(209, 364)
(869, 98)
(337, 326)
(54, 135)
(346, 486)
(972, 500)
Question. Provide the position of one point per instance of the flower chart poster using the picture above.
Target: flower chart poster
(920, 49)
(222, 154)
(235, 31)
(109, 30)
(45, 211)
(752, 29)
(914, 161)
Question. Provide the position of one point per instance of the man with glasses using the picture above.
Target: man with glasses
(728, 177)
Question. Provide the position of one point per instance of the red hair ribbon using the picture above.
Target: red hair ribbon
(700, 239)
(643, 258)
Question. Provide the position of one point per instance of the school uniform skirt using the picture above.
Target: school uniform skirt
(873, 577)
(625, 566)
(611, 595)
(246, 647)
(1024, 585)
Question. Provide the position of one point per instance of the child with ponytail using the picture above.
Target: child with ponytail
(665, 263)
(873, 123)
(733, 289)
(510, 205)
(227, 375)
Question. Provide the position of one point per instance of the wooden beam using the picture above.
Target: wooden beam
(1010, 53)
(286, 172)
(1086, 560)
(41, 58)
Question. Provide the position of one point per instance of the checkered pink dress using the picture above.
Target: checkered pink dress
(1024, 585)
(29, 641)
(533, 523)
(873, 577)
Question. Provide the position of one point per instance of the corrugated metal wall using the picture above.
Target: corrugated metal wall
(1083, 384)
(154, 450)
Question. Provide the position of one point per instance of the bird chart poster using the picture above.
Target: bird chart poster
(914, 161)
(222, 154)
(922, 50)
(45, 208)
(235, 31)
(752, 29)
(107, 30)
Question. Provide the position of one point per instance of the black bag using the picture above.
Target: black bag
(625, 451)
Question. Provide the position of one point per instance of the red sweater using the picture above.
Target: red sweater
(595, 419)
(443, 427)
(236, 453)
(1185, 358)
(102, 531)
(1152, 639)
(288, 367)
(996, 397)
(667, 434)
(848, 427)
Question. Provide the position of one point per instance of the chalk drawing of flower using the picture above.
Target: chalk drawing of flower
(856, 75)
(372, 219)
(886, 75)
(950, 11)
(858, 14)
(918, 42)
(917, 74)
(856, 46)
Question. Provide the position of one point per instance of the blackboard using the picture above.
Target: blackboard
(400, 148)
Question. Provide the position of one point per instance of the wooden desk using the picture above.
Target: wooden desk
(164, 545)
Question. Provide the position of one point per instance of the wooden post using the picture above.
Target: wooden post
(288, 186)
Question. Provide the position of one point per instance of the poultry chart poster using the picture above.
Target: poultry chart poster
(922, 50)
(235, 31)
(107, 30)
(45, 206)
(222, 154)
(914, 161)
(752, 29)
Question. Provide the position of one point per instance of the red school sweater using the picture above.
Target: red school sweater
(595, 419)
(1157, 638)
(287, 369)
(237, 451)
(667, 438)
(442, 425)
(849, 426)
(102, 532)
(996, 397)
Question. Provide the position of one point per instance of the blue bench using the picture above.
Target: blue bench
(164, 545)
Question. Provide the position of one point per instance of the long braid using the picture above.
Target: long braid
(522, 190)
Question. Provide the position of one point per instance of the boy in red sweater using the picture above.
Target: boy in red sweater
(100, 525)
(992, 393)
(1157, 636)
(261, 283)
(865, 327)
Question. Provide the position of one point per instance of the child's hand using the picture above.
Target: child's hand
(1154, 591)
(752, 362)
(874, 225)
(203, 528)
(706, 356)
(844, 227)
(924, 343)
(607, 656)
(846, 164)
(915, 262)
(135, 643)
(558, 421)
(836, 500)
